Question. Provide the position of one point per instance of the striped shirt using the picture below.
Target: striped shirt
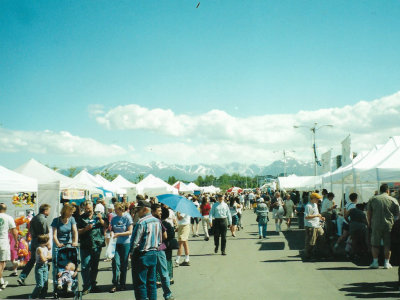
(146, 235)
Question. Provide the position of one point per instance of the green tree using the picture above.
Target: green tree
(139, 177)
(107, 175)
(171, 180)
(199, 181)
(72, 171)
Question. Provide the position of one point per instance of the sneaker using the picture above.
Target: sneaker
(185, 263)
(170, 298)
(59, 287)
(206, 239)
(223, 253)
(4, 285)
(69, 290)
(85, 292)
(387, 266)
(216, 250)
(374, 265)
(21, 281)
(14, 274)
(171, 281)
(176, 264)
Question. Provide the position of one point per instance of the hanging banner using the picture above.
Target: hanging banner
(346, 151)
(326, 162)
(73, 194)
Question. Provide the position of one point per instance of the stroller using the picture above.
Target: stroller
(62, 257)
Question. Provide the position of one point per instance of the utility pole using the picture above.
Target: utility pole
(313, 131)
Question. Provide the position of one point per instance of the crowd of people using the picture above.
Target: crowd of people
(142, 235)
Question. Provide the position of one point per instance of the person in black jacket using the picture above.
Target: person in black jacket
(38, 226)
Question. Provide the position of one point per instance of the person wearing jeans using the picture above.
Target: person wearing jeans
(162, 264)
(37, 226)
(91, 231)
(145, 241)
(262, 218)
(121, 229)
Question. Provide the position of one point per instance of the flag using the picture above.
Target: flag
(326, 162)
(346, 151)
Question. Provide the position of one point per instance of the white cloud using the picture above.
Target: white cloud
(95, 110)
(49, 142)
(218, 136)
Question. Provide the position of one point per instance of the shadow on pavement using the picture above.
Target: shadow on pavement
(208, 254)
(280, 260)
(272, 246)
(295, 239)
(20, 296)
(371, 290)
(341, 269)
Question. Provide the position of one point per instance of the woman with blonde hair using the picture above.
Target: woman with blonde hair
(64, 232)
(121, 229)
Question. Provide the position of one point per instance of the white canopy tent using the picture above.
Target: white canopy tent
(154, 186)
(386, 171)
(210, 189)
(123, 183)
(108, 185)
(12, 182)
(193, 186)
(370, 161)
(182, 187)
(84, 178)
(49, 185)
(300, 183)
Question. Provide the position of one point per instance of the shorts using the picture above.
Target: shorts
(278, 213)
(235, 220)
(183, 232)
(192, 220)
(379, 234)
(5, 254)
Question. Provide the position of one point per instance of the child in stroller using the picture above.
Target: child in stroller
(66, 276)
(66, 263)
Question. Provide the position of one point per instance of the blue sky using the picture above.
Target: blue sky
(65, 66)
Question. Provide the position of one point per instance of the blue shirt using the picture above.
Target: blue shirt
(119, 225)
(220, 210)
(146, 235)
(64, 231)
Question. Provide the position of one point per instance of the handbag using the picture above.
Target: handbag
(173, 244)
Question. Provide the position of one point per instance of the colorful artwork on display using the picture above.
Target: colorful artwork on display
(20, 199)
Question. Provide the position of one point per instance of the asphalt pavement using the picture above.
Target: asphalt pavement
(253, 269)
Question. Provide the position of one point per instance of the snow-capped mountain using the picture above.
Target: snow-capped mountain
(131, 171)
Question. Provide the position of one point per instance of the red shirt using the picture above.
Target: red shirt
(205, 209)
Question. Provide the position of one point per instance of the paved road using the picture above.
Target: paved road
(255, 269)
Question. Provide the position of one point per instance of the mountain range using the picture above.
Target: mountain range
(131, 171)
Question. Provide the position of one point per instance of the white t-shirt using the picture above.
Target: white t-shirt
(311, 209)
(6, 223)
(185, 220)
(171, 217)
(326, 204)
